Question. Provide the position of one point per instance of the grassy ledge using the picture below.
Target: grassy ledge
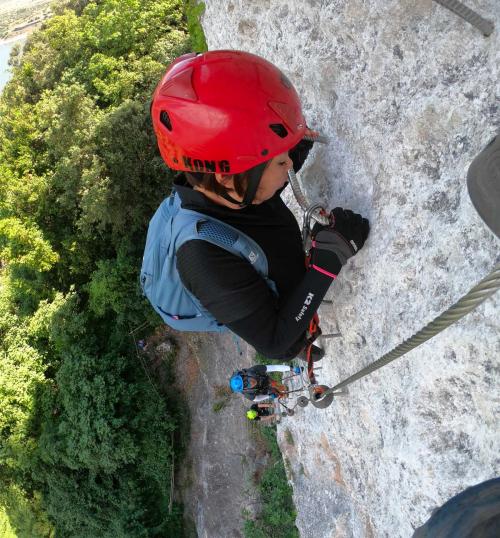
(194, 10)
(277, 516)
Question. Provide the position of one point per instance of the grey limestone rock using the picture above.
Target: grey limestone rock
(408, 94)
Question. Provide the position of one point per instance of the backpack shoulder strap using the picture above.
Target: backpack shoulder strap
(189, 224)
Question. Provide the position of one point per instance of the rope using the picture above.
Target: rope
(315, 212)
(479, 293)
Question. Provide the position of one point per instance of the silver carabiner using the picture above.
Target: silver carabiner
(314, 212)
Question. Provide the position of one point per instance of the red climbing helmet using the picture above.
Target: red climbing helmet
(224, 111)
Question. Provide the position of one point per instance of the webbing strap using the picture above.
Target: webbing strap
(312, 333)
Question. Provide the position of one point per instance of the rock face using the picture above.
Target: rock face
(217, 475)
(407, 92)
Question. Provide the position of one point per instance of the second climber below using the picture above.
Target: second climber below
(256, 384)
(233, 124)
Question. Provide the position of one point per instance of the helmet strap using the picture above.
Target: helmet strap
(254, 176)
(229, 198)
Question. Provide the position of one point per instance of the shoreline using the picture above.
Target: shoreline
(15, 38)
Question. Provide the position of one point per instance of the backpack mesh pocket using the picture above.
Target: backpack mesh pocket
(212, 230)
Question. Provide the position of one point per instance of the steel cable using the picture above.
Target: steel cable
(467, 14)
(302, 201)
(479, 293)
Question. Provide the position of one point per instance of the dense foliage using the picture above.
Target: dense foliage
(194, 10)
(85, 439)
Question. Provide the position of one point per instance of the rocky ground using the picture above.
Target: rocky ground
(16, 14)
(217, 478)
(408, 94)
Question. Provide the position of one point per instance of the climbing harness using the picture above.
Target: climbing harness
(483, 183)
(294, 388)
(317, 213)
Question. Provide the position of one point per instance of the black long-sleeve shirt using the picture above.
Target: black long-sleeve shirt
(234, 293)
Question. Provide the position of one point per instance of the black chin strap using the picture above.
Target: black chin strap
(254, 175)
(229, 198)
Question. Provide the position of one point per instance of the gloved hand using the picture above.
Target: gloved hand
(333, 245)
(298, 369)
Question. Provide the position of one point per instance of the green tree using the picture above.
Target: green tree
(22, 244)
(85, 439)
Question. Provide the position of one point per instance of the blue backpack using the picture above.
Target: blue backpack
(170, 227)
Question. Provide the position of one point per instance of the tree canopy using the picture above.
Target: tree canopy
(85, 439)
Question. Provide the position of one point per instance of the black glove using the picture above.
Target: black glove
(333, 245)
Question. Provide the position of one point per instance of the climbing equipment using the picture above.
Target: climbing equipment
(292, 390)
(252, 414)
(468, 15)
(225, 112)
(171, 227)
(236, 383)
(478, 294)
(483, 182)
(311, 212)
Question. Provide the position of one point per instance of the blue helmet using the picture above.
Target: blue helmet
(236, 382)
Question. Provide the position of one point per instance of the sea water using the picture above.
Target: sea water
(5, 48)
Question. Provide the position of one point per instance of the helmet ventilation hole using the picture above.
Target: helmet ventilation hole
(279, 129)
(165, 119)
